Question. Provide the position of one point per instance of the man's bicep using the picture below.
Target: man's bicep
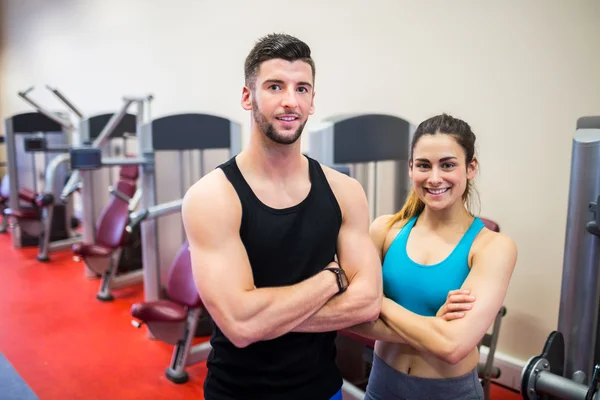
(356, 251)
(222, 273)
(220, 264)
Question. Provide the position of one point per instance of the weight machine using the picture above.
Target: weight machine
(31, 190)
(107, 131)
(173, 152)
(569, 366)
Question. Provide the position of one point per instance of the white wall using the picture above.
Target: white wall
(520, 73)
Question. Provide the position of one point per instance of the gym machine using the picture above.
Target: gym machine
(26, 173)
(115, 136)
(104, 240)
(56, 173)
(373, 149)
(569, 365)
(193, 143)
(113, 131)
(172, 309)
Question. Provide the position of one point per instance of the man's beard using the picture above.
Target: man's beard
(270, 131)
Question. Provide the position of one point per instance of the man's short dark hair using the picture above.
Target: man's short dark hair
(275, 45)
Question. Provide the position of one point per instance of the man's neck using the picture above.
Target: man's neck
(272, 160)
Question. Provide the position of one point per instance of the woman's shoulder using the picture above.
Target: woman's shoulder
(489, 241)
(387, 222)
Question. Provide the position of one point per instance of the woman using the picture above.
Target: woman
(433, 245)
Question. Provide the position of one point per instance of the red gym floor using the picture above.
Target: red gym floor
(67, 345)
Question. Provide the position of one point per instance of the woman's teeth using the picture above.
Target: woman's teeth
(437, 191)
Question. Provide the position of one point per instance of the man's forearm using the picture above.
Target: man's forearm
(355, 306)
(267, 313)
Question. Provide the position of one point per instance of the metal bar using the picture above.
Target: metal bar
(198, 353)
(558, 386)
(160, 210)
(351, 392)
(202, 168)
(580, 288)
(149, 234)
(62, 98)
(182, 171)
(375, 197)
(88, 219)
(51, 169)
(117, 161)
(153, 213)
(98, 143)
(65, 124)
(135, 200)
(13, 176)
(34, 172)
(64, 244)
(127, 279)
(118, 194)
(111, 125)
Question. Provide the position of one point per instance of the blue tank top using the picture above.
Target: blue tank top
(423, 289)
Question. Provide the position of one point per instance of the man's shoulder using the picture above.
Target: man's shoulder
(212, 193)
(340, 183)
(213, 181)
(348, 192)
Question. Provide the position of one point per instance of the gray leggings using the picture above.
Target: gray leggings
(385, 383)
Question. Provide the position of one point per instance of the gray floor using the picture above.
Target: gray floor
(12, 386)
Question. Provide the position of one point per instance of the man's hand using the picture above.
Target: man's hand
(456, 304)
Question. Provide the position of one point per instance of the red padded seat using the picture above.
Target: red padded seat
(27, 195)
(159, 311)
(181, 290)
(181, 286)
(491, 225)
(130, 172)
(91, 250)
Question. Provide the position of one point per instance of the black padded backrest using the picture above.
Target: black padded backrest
(33, 122)
(98, 122)
(371, 137)
(191, 131)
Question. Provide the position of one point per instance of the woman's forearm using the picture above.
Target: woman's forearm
(422, 333)
(377, 330)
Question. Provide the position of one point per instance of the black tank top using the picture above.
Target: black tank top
(284, 246)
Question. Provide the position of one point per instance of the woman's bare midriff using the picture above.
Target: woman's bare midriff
(409, 361)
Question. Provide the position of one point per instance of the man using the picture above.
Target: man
(264, 230)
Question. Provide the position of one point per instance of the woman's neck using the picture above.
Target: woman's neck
(455, 216)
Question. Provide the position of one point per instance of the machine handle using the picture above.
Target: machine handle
(593, 226)
(135, 219)
(62, 98)
(120, 195)
(66, 124)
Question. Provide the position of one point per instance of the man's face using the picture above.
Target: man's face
(282, 99)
